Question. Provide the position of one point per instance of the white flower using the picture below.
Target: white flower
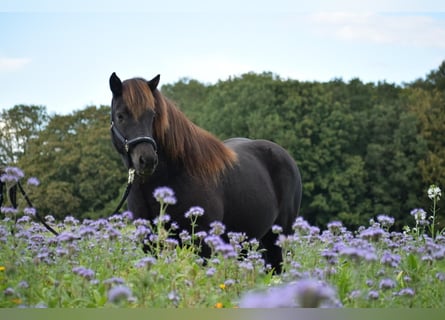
(419, 215)
(434, 192)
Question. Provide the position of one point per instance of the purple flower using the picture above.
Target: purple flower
(386, 284)
(330, 256)
(301, 226)
(61, 252)
(8, 211)
(210, 272)
(29, 211)
(127, 215)
(277, 229)
(335, 227)
(385, 221)
(194, 212)
(372, 234)
(24, 220)
(165, 195)
(119, 294)
(141, 222)
(162, 219)
(33, 181)
(229, 282)
(306, 293)
(84, 272)
(9, 291)
(185, 237)
(146, 262)
(354, 294)
(440, 276)
(246, 265)
(86, 231)
(226, 250)
(373, 295)
(419, 215)
(141, 232)
(114, 280)
(389, 259)
(439, 254)
(67, 237)
(113, 233)
(11, 174)
(218, 228)
(407, 292)
(236, 237)
(200, 234)
(369, 282)
(174, 297)
(69, 220)
(357, 254)
(171, 243)
(213, 241)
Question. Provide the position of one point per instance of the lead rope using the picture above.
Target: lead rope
(13, 199)
(131, 172)
(38, 216)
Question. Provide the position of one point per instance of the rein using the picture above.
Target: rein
(13, 199)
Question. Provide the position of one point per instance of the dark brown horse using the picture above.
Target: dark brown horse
(248, 185)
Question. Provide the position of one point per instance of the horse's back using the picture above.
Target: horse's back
(273, 174)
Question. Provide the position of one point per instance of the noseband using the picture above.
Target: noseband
(132, 142)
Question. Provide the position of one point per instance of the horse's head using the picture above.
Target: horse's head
(132, 118)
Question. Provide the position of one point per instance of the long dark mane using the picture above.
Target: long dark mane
(202, 154)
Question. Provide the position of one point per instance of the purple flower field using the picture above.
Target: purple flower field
(100, 263)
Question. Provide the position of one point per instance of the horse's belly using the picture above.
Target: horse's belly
(250, 205)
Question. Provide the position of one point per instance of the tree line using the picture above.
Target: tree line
(363, 149)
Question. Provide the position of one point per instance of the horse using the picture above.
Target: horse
(248, 185)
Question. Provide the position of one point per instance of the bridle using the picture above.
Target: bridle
(128, 144)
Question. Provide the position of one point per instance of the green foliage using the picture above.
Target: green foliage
(360, 147)
(79, 171)
(18, 126)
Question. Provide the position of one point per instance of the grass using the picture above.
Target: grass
(101, 264)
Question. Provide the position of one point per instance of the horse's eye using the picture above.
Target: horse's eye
(120, 117)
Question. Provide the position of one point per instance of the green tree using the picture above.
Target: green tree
(17, 126)
(190, 96)
(79, 171)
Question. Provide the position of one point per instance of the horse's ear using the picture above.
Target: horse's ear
(115, 85)
(153, 83)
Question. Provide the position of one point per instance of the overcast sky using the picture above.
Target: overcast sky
(61, 55)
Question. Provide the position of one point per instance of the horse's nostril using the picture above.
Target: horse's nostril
(147, 162)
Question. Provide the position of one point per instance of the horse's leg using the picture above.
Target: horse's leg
(273, 254)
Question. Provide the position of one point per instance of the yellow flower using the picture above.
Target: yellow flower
(17, 300)
(218, 305)
(2, 268)
(222, 286)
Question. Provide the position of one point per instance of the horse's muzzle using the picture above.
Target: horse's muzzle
(144, 159)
